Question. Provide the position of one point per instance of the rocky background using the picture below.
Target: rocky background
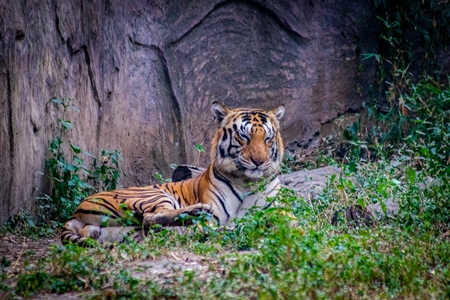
(144, 73)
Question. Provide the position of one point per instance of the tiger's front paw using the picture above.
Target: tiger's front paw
(199, 209)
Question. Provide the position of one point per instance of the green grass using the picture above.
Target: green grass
(395, 259)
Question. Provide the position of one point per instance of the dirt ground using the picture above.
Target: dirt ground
(18, 250)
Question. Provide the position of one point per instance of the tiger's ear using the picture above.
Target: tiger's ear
(219, 111)
(278, 112)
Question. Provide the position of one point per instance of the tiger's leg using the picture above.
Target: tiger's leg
(166, 215)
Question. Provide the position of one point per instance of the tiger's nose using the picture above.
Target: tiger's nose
(257, 161)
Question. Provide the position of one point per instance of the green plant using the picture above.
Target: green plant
(286, 164)
(72, 178)
(161, 178)
(413, 112)
(199, 148)
(411, 36)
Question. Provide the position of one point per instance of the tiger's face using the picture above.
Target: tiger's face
(247, 142)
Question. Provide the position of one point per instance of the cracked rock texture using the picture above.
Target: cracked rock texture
(144, 73)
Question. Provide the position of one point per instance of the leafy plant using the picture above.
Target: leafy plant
(161, 178)
(412, 145)
(199, 148)
(72, 178)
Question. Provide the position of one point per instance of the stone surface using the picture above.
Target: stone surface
(144, 73)
(308, 183)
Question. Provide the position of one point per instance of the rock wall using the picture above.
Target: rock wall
(143, 74)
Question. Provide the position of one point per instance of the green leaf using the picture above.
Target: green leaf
(74, 108)
(66, 123)
(58, 101)
(410, 175)
(199, 148)
(70, 167)
(56, 142)
(347, 135)
(420, 132)
(361, 202)
(370, 55)
(395, 182)
(105, 221)
(83, 185)
(75, 148)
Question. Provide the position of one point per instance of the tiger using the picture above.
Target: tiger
(247, 147)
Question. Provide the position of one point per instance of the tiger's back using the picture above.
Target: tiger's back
(247, 146)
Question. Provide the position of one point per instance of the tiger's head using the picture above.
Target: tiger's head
(247, 143)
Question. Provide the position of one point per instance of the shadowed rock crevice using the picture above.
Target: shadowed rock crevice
(9, 182)
(94, 89)
(10, 119)
(177, 116)
(57, 25)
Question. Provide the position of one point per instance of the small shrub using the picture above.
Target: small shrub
(72, 178)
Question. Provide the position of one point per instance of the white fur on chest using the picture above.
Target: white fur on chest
(250, 198)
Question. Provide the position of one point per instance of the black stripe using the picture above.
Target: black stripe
(156, 206)
(229, 149)
(230, 132)
(144, 202)
(134, 205)
(275, 149)
(66, 233)
(239, 142)
(216, 218)
(246, 138)
(224, 137)
(263, 117)
(195, 192)
(131, 190)
(174, 194)
(102, 202)
(99, 213)
(182, 193)
(227, 182)
(221, 202)
(138, 194)
(222, 152)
